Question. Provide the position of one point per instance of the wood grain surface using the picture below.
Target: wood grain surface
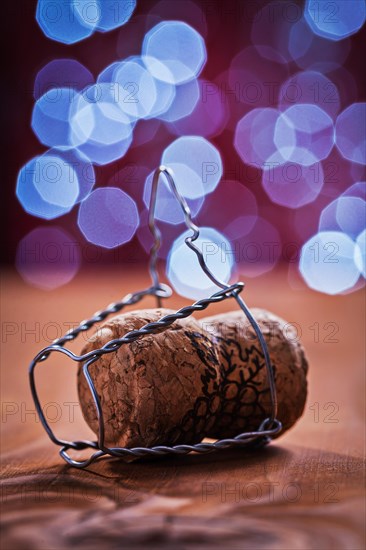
(304, 491)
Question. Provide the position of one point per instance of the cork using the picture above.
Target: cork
(161, 389)
(195, 379)
(244, 391)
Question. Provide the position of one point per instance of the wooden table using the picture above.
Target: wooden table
(305, 491)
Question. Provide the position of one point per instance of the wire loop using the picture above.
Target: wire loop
(268, 428)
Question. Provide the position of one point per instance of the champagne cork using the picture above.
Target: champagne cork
(244, 391)
(161, 389)
(193, 380)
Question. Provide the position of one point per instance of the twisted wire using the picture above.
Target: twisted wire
(269, 427)
(256, 439)
(129, 300)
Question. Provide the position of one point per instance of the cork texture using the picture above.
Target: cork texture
(244, 391)
(162, 388)
(196, 379)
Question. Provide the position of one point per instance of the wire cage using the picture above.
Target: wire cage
(268, 428)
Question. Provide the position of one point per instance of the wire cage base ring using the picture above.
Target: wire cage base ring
(256, 439)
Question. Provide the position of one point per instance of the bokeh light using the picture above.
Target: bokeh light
(99, 128)
(310, 87)
(47, 187)
(254, 138)
(351, 215)
(80, 164)
(108, 217)
(350, 133)
(59, 183)
(165, 96)
(357, 189)
(293, 185)
(304, 134)
(179, 47)
(283, 89)
(106, 15)
(50, 117)
(346, 214)
(167, 207)
(184, 271)
(48, 257)
(196, 164)
(360, 253)
(137, 92)
(60, 21)
(327, 262)
(62, 73)
(337, 19)
(140, 95)
(106, 76)
(185, 100)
